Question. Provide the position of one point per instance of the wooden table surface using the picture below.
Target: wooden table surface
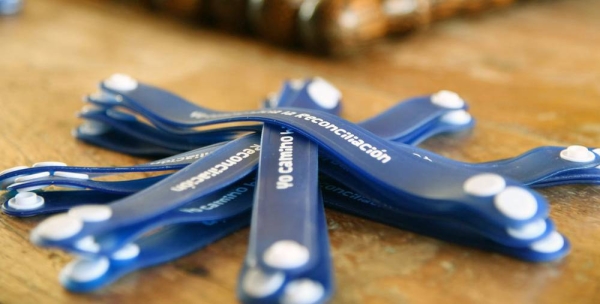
(531, 74)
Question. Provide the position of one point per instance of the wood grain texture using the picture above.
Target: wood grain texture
(531, 74)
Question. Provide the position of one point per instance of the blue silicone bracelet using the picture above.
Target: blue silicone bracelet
(217, 170)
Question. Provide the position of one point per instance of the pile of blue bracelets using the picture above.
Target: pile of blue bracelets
(275, 169)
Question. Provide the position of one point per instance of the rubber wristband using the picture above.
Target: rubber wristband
(234, 161)
(282, 232)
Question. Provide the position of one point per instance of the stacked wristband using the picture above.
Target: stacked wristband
(306, 156)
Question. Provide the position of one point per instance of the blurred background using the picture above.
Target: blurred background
(326, 27)
(332, 27)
